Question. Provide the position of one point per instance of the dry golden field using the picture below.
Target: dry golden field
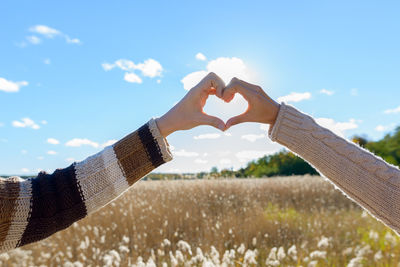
(296, 221)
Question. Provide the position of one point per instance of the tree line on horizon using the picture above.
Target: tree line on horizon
(286, 163)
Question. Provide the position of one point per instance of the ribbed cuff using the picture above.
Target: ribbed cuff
(161, 141)
(288, 118)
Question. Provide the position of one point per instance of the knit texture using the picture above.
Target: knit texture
(33, 209)
(362, 176)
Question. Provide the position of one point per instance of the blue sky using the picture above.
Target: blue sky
(76, 75)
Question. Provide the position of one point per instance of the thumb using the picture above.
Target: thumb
(212, 121)
(236, 120)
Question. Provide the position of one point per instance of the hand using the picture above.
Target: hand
(261, 107)
(188, 113)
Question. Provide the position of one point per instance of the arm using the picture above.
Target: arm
(36, 208)
(362, 176)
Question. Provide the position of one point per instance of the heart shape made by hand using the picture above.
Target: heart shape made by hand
(219, 108)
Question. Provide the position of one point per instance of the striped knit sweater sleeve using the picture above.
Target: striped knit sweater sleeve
(33, 209)
(362, 176)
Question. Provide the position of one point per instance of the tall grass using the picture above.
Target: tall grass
(297, 221)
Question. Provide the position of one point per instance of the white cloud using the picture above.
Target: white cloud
(40, 158)
(383, 128)
(1, 124)
(45, 30)
(47, 61)
(222, 153)
(34, 39)
(53, 141)
(70, 160)
(43, 122)
(132, 78)
(10, 86)
(225, 67)
(149, 68)
(392, 111)
(190, 80)
(26, 123)
(51, 152)
(72, 40)
(24, 152)
(25, 170)
(248, 155)
(109, 143)
(184, 153)
(338, 128)
(225, 161)
(49, 32)
(207, 136)
(107, 66)
(295, 97)
(380, 128)
(264, 127)
(200, 161)
(253, 137)
(354, 92)
(77, 142)
(327, 92)
(201, 57)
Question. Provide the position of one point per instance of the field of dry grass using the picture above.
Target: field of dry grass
(296, 221)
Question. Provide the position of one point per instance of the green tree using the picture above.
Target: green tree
(281, 163)
(388, 148)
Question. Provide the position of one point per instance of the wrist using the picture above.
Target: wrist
(274, 113)
(165, 126)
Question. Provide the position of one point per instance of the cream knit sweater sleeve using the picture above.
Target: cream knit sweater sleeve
(362, 176)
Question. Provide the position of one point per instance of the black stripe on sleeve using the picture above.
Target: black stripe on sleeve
(151, 145)
(57, 202)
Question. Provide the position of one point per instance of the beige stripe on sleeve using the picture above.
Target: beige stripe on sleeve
(20, 215)
(101, 179)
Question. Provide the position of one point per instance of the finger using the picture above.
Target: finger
(250, 85)
(217, 83)
(212, 121)
(254, 87)
(235, 86)
(228, 97)
(245, 85)
(236, 120)
(212, 91)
